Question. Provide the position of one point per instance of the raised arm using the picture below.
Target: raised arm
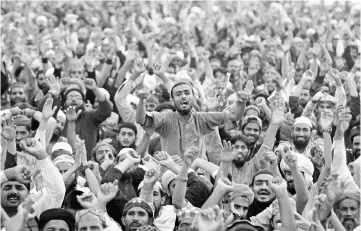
(222, 187)
(279, 187)
(178, 199)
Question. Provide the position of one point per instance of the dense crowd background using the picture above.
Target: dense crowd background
(180, 115)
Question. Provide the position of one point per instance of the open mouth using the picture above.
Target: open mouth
(184, 103)
(264, 193)
(13, 199)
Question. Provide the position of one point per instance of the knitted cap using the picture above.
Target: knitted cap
(138, 202)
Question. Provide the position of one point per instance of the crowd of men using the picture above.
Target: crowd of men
(201, 116)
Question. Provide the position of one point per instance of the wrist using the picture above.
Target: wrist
(327, 130)
(54, 93)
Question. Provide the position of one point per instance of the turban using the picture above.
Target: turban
(352, 193)
(57, 214)
(304, 165)
(62, 146)
(63, 158)
(102, 143)
(168, 177)
(242, 190)
(303, 120)
(138, 202)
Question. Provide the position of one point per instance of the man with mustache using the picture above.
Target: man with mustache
(301, 135)
(15, 184)
(347, 209)
(355, 141)
(136, 213)
(87, 120)
(184, 128)
(17, 93)
(251, 129)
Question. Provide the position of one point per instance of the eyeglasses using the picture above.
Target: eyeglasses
(83, 212)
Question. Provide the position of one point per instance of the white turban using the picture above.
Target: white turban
(304, 165)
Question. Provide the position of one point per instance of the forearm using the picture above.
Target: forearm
(223, 169)
(71, 135)
(287, 217)
(102, 77)
(140, 116)
(11, 146)
(214, 199)
(99, 95)
(326, 170)
(146, 194)
(301, 190)
(123, 166)
(205, 165)
(142, 147)
(178, 198)
(92, 181)
(270, 135)
(174, 168)
(209, 72)
(307, 111)
(121, 74)
(40, 132)
(239, 108)
(267, 111)
(69, 173)
(298, 88)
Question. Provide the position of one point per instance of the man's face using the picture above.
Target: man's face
(74, 99)
(126, 137)
(234, 66)
(157, 197)
(269, 85)
(241, 204)
(90, 222)
(150, 106)
(83, 34)
(304, 97)
(290, 183)
(242, 152)
(245, 58)
(222, 48)
(349, 214)
(252, 131)
(324, 106)
(102, 152)
(261, 190)
(80, 50)
(301, 135)
(183, 98)
(219, 76)
(215, 64)
(56, 225)
(42, 81)
(13, 193)
(135, 218)
(63, 167)
(60, 124)
(21, 133)
(356, 146)
(77, 72)
(17, 95)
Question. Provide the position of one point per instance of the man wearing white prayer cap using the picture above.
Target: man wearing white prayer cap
(301, 135)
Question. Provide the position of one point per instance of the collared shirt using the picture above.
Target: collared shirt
(177, 135)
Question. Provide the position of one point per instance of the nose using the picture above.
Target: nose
(349, 213)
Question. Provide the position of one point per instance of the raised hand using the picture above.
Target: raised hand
(335, 74)
(132, 156)
(271, 158)
(326, 119)
(245, 94)
(87, 200)
(190, 155)
(163, 158)
(316, 213)
(8, 130)
(317, 97)
(158, 70)
(132, 55)
(204, 56)
(333, 187)
(54, 85)
(278, 186)
(90, 84)
(324, 67)
(211, 219)
(343, 121)
(307, 76)
(278, 111)
(59, 58)
(48, 111)
(107, 191)
(344, 75)
(19, 173)
(71, 113)
(89, 61)
(143, 94)
(34, 148)
(150, 178)
(228, 153)
(288, 156)
(260, 101)
(224, 185)
(139, 67)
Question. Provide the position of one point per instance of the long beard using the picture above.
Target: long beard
(239, 163)
(300, 145)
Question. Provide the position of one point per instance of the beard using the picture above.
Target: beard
(356, 153)
(79, 55)
(55, 137)
(300, 144)
(349, 224)
(18, 148)
(302, 102)
(291, 188)
(16, 101)
(239, 162)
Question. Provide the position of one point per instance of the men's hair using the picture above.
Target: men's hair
(219, 69)
(17, 85)
(70, 201)
(240, 137)
(259, 173)
(178, 84)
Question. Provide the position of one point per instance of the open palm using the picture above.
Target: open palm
(8, 130)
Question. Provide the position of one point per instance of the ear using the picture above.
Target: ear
(123, 220)
(162, 199)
